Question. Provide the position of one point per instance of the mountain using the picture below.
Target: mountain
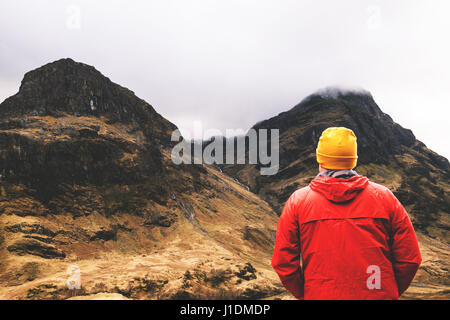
(69, 87)
(87, 186)
(388, 154)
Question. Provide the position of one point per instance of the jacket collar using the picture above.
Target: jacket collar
(340, 174)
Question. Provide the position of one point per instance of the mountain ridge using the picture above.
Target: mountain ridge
(68, 87)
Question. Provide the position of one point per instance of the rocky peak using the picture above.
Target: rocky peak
(74, 88)
(57, 70)
(356, 98)
(379, 137)
(387, 153)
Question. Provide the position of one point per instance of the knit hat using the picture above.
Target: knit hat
(337, 149)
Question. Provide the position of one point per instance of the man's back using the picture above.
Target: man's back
(355, 239)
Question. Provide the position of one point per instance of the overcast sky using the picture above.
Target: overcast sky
(232, 63)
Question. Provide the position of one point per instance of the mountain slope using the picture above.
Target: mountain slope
(388, 154)
(87, 182)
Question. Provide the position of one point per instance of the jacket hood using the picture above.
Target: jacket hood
(339, 190)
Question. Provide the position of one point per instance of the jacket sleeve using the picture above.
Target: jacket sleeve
(286, 255)
(404, 247)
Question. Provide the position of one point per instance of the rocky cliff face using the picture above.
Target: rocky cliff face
(87, 180)
(66, 87)
(388, 154)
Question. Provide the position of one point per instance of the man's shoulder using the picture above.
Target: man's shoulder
(372, 187)
(379, 188)
(299, 195)
(301, 192)
(381, 193)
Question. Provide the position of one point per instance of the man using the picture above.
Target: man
(354, 238)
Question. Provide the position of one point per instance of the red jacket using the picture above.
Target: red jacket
(354, 238)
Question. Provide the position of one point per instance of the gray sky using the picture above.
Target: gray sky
(232, 63)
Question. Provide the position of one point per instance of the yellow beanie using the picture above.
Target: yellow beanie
(337, 149)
